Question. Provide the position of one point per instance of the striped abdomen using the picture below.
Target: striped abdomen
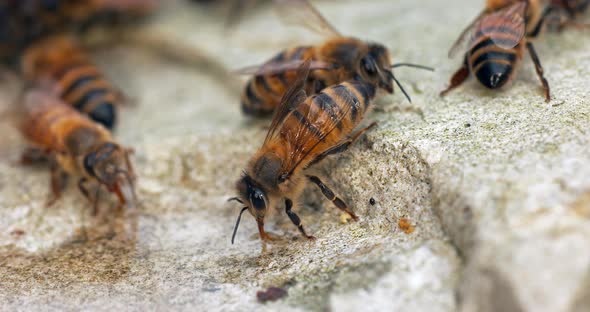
(49, 123)
(85, 88)
(262, 94)
(329, 116)
(492, 64)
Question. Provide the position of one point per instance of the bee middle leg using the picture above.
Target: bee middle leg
(330, 195)
(295, 218)
(458, 78)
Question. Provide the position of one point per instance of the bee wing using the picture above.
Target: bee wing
(301, 12)
(460, 43)
(315, 124)
(294, 96)
(273, 67)
(505, 27)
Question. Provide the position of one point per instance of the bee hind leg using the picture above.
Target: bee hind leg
(339, 203)
(539, 69)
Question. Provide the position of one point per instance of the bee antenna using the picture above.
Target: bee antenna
(235, 199)
(401, 88)
(237, 224)
(412, 65)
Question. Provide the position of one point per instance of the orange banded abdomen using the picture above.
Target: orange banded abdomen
(329, 116)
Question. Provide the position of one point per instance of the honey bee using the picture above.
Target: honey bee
(60, 61)
(499, 37)
(77, 146)
(304, 131)
(336, 60)
(23, 22)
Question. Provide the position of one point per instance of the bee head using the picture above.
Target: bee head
(374, 67)
(253, 195)
(109, 165)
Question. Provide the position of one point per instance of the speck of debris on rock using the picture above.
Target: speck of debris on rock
(271, 294)
(405, 225)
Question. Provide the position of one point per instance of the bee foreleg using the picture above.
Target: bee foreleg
(84, 190)
(341, 147)
(59, 180)
(458, 78)
(539, 70)
(330, 195)
(263, 235)
(295, 218)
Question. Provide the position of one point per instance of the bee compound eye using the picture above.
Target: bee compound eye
(369, 66)
(257, 199)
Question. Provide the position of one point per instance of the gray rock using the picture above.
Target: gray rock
(495, 185)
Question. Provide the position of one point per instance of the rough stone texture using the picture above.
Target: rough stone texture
(496, 184)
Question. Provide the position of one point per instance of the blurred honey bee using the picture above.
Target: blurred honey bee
(499, 37)
(304, 130)
(564, 13)
(336, 60)
(23, 22)
(60, 61)
(77, 146)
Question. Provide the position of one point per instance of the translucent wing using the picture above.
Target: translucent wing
(274, 67)
(315, 122)
(294, 96)
(460, 43)
(505, 27)
(301, 12)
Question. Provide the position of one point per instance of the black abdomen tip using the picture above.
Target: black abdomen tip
(104, 113)
(494, 75)
(255, 110)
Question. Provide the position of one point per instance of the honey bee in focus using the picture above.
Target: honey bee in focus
(304, 130)
(336, 60)
(58, 61)
(77, 146)
(499, 37)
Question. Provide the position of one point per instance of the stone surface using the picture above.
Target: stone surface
(496, 184)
